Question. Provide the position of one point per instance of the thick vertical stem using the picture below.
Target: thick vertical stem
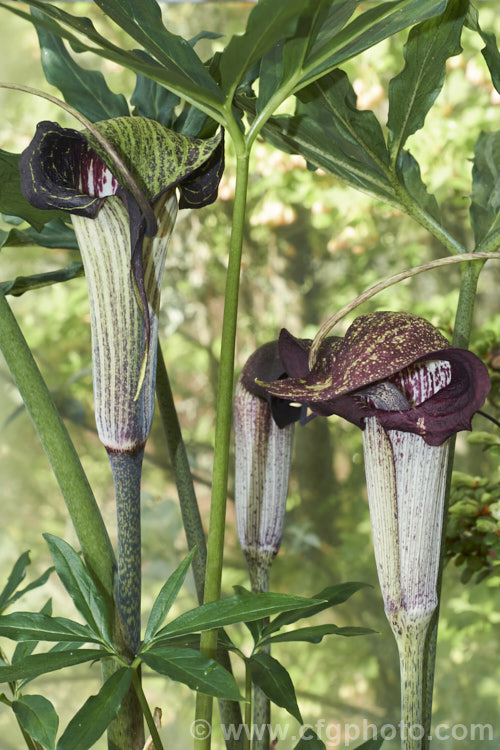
(215, 547)
(259, 578)
(411, 645)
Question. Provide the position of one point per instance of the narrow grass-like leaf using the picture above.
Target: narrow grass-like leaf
(36, 626)
(166, 597)
(485, 199)
(193, 669)
(37, 664)
(12, 200)
(233, 609)
(273, 679)
(413, 92)
(38, 718)
(97, 713)
(316, 633)
(84, 89)
(16, 576)
(22, 284)
(80, 586)
(331, 596)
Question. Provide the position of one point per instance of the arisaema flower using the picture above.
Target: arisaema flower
(123, 245)
(395, 376)
(263, 434)
(123, 231)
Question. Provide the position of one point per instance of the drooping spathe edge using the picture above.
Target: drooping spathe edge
(376, 347)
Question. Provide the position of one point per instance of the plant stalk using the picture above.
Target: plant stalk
(215, 546)
(259, 579)
(136, 682)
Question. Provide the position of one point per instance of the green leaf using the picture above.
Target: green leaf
(485, 198)
(38, 718)
(193, 669)
(274, 681)
(255, 627)
(413, 92)
(12, 200)
(152, 100)
(371, 744)
(86, 90)
(22, 284)
(144, 23)
(268, 22)
(55, 234)
(233, 609)
(408, 171)
(166, 597)
(36, 626)
(37, 664)
(331, 596)
(309, 741)
(316, 633)
(97, 713)
(25, 648)
(80, 586)
(366, 30)
(16, 576)
(490, 52)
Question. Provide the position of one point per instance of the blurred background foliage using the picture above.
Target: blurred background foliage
(311, 245)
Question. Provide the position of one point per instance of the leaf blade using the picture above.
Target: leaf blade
(165, 598)
(273, 679)
(38, 718)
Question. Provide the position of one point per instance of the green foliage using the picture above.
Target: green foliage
(38, 718)
(275, 682)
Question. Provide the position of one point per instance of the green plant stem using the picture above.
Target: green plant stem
(78, 496)
(411, 646)
(230, 711)
(259, 579)
(215, 546)
(136, 681)
(248, 708)
(461, 336)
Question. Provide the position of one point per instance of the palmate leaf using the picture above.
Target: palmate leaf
(53, 17)
(275, 682)
(413, 92)
(97, 713)
(22, 284)
(12, 200)
(84, 89)
(38, 718)
(233, 609)
(485, 198)
(193, 669)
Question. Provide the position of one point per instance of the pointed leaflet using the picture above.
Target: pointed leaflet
(490, 52)
(38, 718)
(367, 29)
(55, 234)
(166, 597)
(331, 596)
(78, 583)
(268, 22)
(36, 626)
(233, 609)
(309, 740)
(193, 669)
(12, 201)
(273, 679)
(37, 664)
(97, 713)
(22, 284)
(84, 89)
(413, 92)
(144, 23)
(316, 633)
(17, 575)
(485, 205)
(25, 648)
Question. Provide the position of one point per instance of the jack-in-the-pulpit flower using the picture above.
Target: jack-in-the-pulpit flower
(263, 434)
(123, 250)
(396, 376)
(123, 239)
